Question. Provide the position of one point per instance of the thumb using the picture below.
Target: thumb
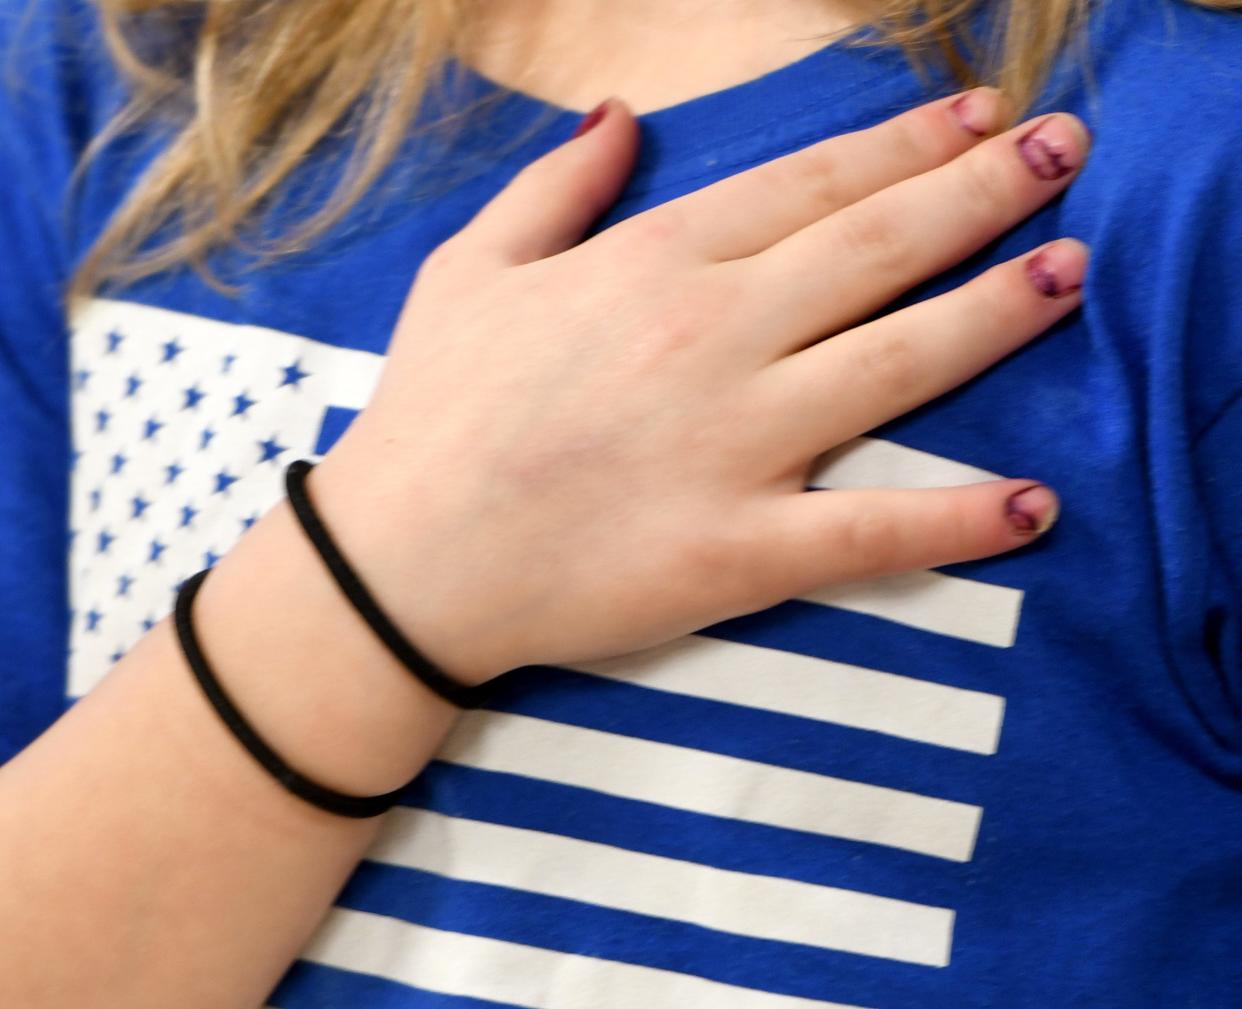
(550, 203)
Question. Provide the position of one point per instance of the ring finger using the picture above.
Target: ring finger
(838, 389)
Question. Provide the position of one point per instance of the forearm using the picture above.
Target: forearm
(148, 860)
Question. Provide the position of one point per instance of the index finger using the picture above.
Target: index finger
(752, 210)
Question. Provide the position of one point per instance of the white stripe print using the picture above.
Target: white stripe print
(929, 601)
(512, 974)
(809, 687)
(871, 462)
(713, 784)
(741, 903)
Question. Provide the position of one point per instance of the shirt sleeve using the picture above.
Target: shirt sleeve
(41, 133)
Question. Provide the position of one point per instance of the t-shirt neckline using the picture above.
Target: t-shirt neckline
(830, 90)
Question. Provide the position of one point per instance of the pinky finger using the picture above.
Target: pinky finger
(827, 537)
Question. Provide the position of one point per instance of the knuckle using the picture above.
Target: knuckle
(891, 365)
(677, 323)
(957, 525)
(984, 184)
(919, 138)
(654, 229)
(872, 540)
(672, 331)
(670, 338)
(716, 562)
(814, 173)
(874, 237)
(703, 561)
(999, 298)
(963, 529)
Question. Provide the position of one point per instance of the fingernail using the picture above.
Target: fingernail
(977, 111)
(591, 119)
(1033, 511)
(1058, 270)
(1054, 148)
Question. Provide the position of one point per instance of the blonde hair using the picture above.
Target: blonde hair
(248, 88)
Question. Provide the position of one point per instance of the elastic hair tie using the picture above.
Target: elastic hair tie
(355, 806)
(351, 585)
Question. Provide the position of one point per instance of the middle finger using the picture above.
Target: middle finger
(845, 267)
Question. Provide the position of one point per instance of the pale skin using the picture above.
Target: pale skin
(140, 837)
(657, 52)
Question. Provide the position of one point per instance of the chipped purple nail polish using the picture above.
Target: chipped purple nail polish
(1049, 150)
(967, 114)
(1043, 276)
(1042, 159)
(1033, 511)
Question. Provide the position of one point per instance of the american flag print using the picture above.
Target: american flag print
(182, 427)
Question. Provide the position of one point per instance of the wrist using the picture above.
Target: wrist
(411, 547)
(307, 672)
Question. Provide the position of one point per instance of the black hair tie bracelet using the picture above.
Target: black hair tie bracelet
(325, 798)
(351, 585)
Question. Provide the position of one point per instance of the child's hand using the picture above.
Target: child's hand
(580, 450)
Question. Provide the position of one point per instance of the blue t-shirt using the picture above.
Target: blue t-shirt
(1013, 783)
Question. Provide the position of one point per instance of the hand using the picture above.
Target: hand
(579, 450)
